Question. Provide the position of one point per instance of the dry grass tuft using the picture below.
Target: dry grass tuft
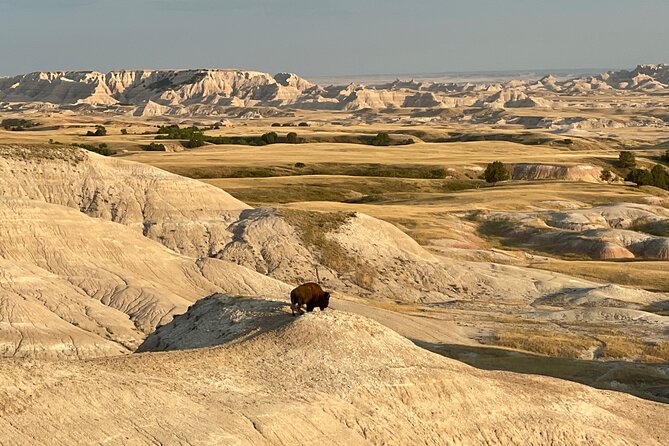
(613, 346)
(630, 348)
(545, 342)
(313, 227)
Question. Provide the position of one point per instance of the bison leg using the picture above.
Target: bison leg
(296, 307)
(310, 307)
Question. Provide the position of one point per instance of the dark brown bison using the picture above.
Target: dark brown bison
(310, 294)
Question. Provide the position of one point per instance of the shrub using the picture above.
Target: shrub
(269, 138)
(381, 139)
(606, 175)
(495, 172)
(196, 140)
(627, 159)
(175, 132)
(657, 177)
(666, 156)
(124, 131)
(660, 177)
(641, 177)
(276, 124)
(303, 124)
(291, 138)
(153, 147)
(300, 165)
(16, 125)
(100, 130)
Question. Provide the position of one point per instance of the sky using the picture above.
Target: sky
(332, 37)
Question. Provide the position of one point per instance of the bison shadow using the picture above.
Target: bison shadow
(216, 320)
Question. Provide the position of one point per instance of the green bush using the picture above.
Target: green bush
(627, 160)
(100, 130)
(303, 124)
(196, 140)
(276, 124)
(124, 131)
(642, 177)
(291, 138)
(666, 156)
(660, 177)
(495, 172)
(175, 132)
(153, 147)
(269, 138)
(300, 165)
(17, 125)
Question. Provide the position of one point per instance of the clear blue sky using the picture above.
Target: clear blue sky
(328, 37)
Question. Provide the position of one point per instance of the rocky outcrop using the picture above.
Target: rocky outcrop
(613, 232)
(579, 172)
(210, 91)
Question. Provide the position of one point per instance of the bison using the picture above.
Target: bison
(310, 294)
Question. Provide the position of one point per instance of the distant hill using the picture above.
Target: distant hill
(204, 91)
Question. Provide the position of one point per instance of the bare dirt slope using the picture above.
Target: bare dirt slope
(76, 286)
(331, 377)
(92, 228)
(184, 214)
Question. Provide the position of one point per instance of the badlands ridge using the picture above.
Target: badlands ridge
(212, 91)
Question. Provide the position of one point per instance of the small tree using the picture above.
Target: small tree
(154, 147)
(381, 139)
(100, 130)
(269, 138)
(642, 177)
(660, 177)
(196, 140)
(291, 138)
(495, 172)
(606, 175)
(627, 159)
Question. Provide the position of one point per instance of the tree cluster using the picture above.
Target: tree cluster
(17, 125)
(100, 130)
(657, 177)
